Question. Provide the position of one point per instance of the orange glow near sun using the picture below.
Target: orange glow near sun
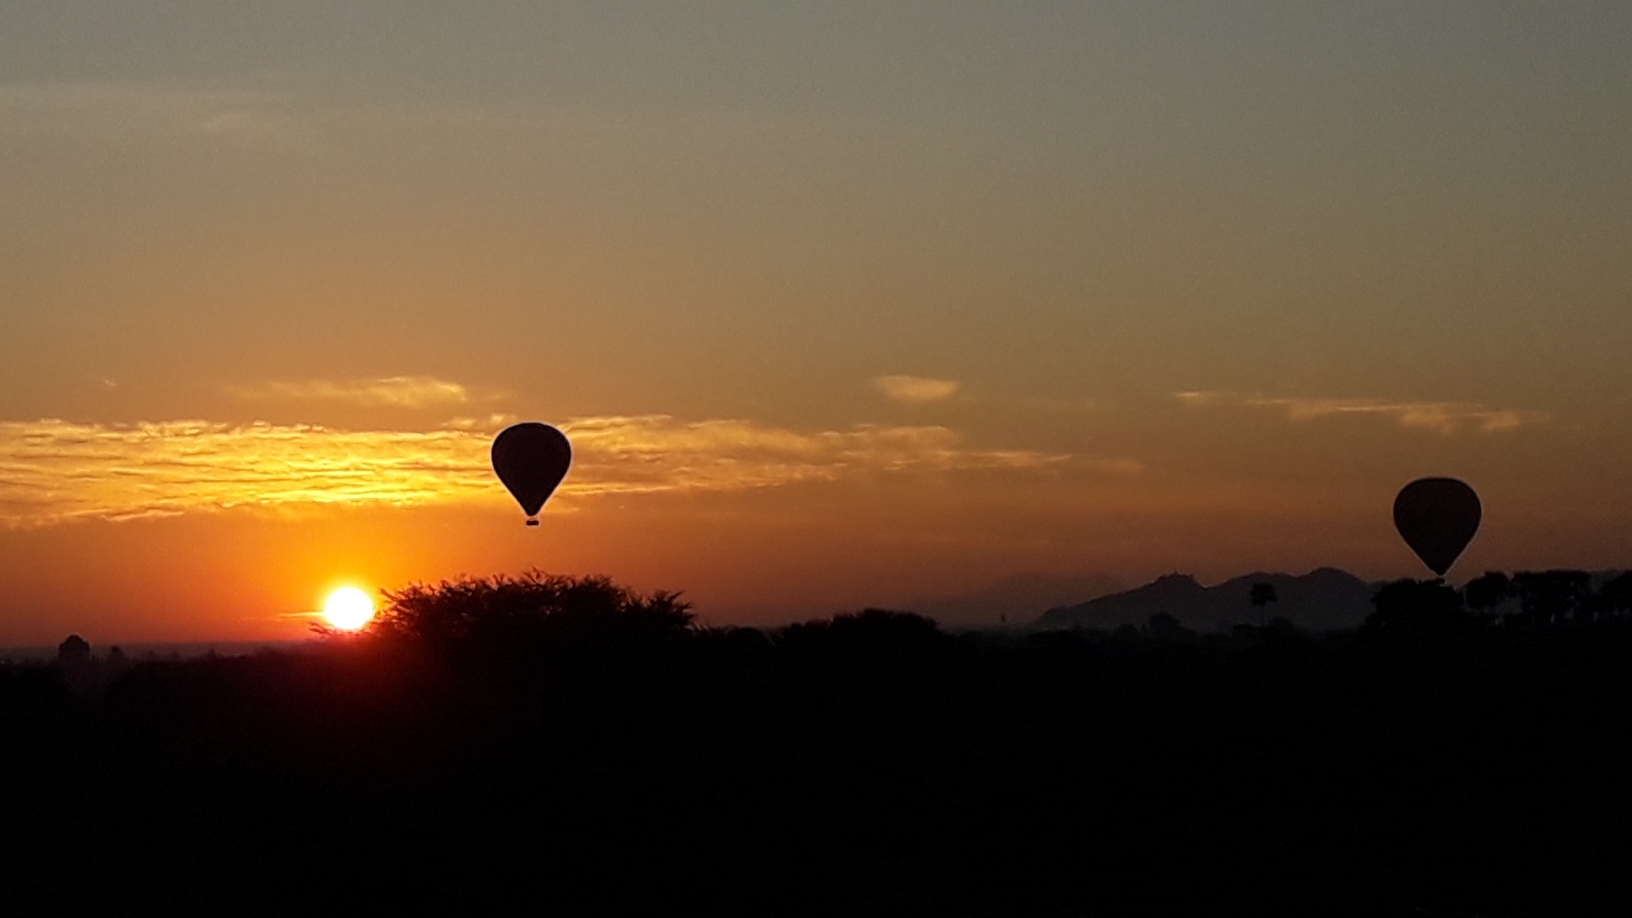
(348, 609)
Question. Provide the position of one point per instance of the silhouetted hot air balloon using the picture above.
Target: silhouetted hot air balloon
(531, 459)
(1437, 517)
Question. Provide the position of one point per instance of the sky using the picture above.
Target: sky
(840, 304)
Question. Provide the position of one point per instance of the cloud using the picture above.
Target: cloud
(392, 392)
(492, 423)
(1440, 417)
(52, 470)
(256, 127)
(657, 452)
(1111, 465)
(915, 390)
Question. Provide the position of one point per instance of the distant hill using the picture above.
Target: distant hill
(1017, 599)
(1325, 599)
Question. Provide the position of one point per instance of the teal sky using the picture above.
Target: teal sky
(1159, 285)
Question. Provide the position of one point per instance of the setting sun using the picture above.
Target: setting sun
(348, 609)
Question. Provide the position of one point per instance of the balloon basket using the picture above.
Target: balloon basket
(532, 522)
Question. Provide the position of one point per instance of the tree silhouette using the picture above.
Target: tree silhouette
(1167, 627)
(1416, 607)
(1262, 595)
(74, 651)
(1617, 592)
(1591, 606)
(503, 610)
(1548, 597)
(1486, 592)
(872, 630)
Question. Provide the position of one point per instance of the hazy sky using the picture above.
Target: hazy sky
(841, 304)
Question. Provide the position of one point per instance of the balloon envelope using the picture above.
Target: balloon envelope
(531, 459)
(1437, 517)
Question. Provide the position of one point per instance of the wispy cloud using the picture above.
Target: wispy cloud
(915, 389)
(1439, 417)
(286, 112)
(391, 392)
(53, 470)
(289, 112)
(257, 115)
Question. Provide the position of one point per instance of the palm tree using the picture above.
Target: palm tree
(1262, 595)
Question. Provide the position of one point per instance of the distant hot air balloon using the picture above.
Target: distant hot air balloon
(531, 459)
(1437, 517)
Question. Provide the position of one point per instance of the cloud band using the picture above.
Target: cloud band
(53, 470)
(1439, 417)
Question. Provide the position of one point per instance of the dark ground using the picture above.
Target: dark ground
(868, 766)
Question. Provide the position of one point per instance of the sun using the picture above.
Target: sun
(348, 609)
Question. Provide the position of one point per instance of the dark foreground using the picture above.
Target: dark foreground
(869, 766)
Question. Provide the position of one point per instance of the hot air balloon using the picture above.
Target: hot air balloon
(531, 459)
(1437, 517)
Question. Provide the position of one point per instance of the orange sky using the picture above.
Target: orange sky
(840, 306)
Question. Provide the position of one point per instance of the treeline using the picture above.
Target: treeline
(566, 745)
(1527, 599)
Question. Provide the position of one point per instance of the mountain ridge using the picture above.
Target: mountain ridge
(1017, 598)
(1324, 599)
